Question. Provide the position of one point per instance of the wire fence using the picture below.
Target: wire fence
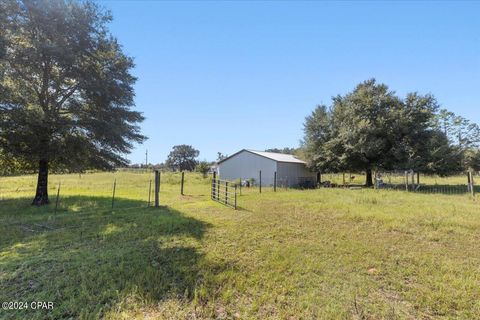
(113, 191)
(464, 183)
(93, 192)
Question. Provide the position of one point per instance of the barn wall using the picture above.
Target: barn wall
(246, 165)
(290, 172)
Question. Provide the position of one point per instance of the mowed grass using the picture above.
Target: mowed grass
(327, 253)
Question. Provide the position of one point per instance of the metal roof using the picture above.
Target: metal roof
(279, 157)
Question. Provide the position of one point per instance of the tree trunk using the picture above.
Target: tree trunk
(369, 180)
(41, 197)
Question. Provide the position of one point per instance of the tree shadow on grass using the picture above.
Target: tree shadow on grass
(91, 261)
(71, 203)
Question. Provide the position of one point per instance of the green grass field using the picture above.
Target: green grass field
(326, 253)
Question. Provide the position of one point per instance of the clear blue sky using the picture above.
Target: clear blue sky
(223, 76)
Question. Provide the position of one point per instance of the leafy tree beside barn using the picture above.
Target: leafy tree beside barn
(66, 89)
(372, 128)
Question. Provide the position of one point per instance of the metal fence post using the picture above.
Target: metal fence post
(157, 188)
(413, 180)
(406, 180)
(113, 195)
(149, 192)
(468, 181)
(260, 179)
(56, 201)
(471, 183)
(226, 192)
(275, 181)
(235, 197)
(212, 192)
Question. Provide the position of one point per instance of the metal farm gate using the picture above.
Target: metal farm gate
(224, 192)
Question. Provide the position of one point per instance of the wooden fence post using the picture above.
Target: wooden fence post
(240, 186)
(183, 179)
(275, 181)
(113, 195)
(260, 179)
(157, 188)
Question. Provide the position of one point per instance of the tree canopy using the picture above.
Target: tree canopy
(372, 128)
(182, 157)
(66, 90)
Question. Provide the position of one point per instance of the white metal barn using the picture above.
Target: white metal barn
(247, 164)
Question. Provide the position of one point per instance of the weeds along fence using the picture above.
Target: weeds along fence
(464, 183)
(417, 182)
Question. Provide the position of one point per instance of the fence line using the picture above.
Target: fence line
(411, 181)
(101, 196)
(224, 192)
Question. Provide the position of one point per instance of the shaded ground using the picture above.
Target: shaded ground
(88, 262)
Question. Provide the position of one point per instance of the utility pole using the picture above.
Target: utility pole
(146, 158)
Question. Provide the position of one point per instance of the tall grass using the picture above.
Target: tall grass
(293, 254)
(396, 178)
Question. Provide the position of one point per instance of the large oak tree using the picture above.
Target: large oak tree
(372, 128)
(66, 90)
